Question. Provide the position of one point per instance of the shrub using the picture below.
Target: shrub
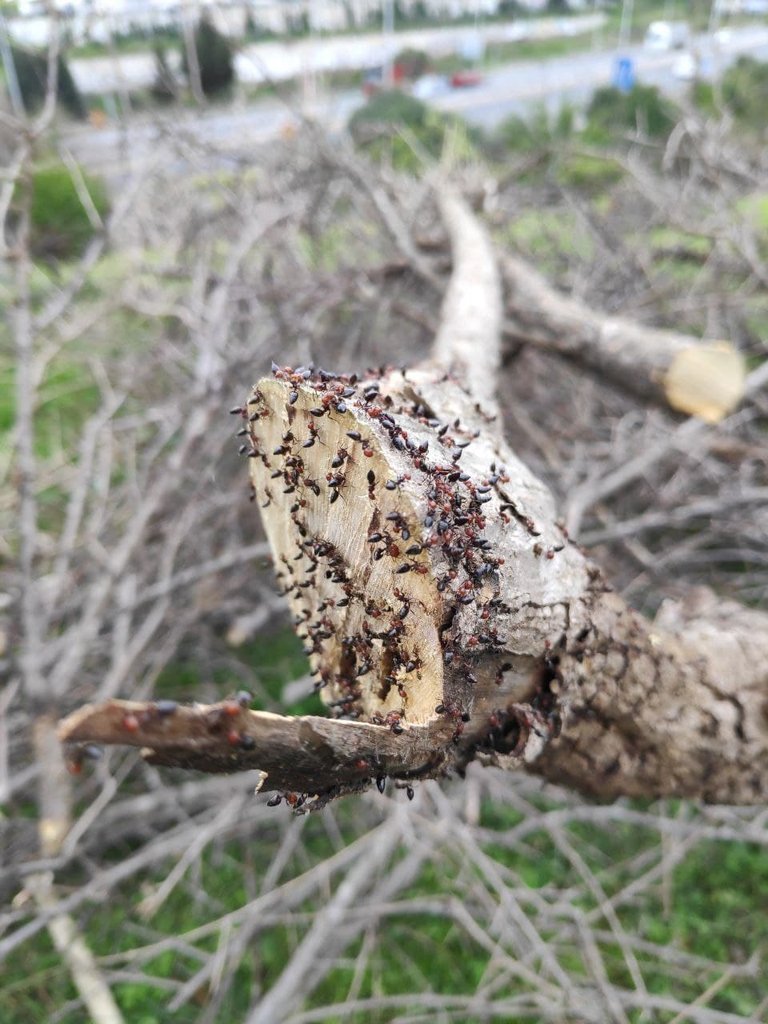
(412, 63)
(254, 30)
(375, 128)
(745, 87)
(702, 96)
(613, 113)
(60, 226)
(32, 75)
(214, 56)
(539, 131)
(588, 173)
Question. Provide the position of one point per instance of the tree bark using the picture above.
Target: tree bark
(445, 612)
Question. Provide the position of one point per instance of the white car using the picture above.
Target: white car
(667, 35)
(685, 67)
(429, 86)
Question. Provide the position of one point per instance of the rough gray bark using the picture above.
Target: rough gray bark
(674, 708)
(446, 614)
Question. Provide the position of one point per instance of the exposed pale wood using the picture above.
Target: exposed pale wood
(705, 381)
(336, 524)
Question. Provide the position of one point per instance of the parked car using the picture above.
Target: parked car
(465, 78)
(685, 67)
(667, 35)
(429, 86)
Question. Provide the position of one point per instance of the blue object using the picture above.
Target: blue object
(624, 74)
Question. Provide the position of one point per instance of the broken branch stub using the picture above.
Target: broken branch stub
(398, 536)
(304, 754)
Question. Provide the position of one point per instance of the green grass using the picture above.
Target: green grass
(718, 910)
(66, 398)
(273, 658)
(588, 173)
(138, 43)
(60, 227)
(548, 237)
(758, 208)
(325, 252)
(753, 211)
(671, 238)
(498, 54)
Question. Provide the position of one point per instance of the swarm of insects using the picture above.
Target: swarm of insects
(380, 528)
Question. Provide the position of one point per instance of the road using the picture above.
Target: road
(517, 87)
(512, 89)
(292, 58)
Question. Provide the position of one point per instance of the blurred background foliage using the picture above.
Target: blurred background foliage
(61, 223)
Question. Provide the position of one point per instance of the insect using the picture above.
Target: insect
(335, 482)
(339, 458)
(392, 720)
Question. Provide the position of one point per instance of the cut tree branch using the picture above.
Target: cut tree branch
(445, 613)
(704, 379)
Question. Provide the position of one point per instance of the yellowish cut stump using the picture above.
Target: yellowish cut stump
(344, 519)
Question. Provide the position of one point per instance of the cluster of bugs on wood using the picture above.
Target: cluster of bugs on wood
(376, 564)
